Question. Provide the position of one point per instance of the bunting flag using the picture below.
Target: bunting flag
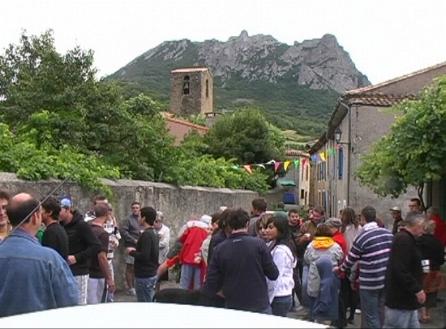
(322, 155)
(248, 168)
(286, 164)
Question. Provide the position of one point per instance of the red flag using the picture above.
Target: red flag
(276, 165)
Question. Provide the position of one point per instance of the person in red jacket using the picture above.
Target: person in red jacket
(193, 267)
(440, 226)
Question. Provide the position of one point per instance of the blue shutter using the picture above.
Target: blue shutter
(340, 163)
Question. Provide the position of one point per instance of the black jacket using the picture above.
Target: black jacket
(82, 243)
(56, 238)
(431, 248)
(404, 273)
(238, 267)
(216, 239)
(146, 254)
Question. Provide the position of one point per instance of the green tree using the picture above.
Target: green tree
(67, 124)
(246, 136)
(19, 154)
(414, 151)
(55, 100)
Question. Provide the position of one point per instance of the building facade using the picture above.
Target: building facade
(360, 119)
(299, 174)
(191, 91)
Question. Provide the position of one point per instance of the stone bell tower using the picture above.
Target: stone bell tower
(191, 91)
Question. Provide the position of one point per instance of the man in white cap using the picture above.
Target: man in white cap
(396, 215)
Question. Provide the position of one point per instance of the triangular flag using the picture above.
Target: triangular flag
(304, 161)
(235, 167)
(248, 168)
(286, 164)
(296, 163)
(270, 162)
(322, 155)
(261, 165)
(276, 165)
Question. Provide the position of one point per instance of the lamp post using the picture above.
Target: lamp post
(338, 136)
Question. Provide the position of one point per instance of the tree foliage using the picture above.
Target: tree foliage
(19, 154)
(414, 151)
(245, 136)
(60, 121)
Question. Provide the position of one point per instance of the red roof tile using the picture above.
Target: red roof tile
(395, 80)
(378, 99)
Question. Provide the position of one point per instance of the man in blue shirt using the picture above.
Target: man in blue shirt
(32, 277)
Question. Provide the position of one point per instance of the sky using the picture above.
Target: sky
(385, 38)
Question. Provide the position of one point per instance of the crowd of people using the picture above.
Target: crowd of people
(263, 261)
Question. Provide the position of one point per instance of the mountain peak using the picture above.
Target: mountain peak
(257, 68)
(244, 35)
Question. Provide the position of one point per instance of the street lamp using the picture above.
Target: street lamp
(338, 135)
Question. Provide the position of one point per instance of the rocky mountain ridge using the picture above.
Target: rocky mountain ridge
(317, 63)
(296, 85)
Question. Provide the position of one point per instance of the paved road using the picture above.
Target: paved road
(438, 314)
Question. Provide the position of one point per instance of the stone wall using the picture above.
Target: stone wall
(177, 203)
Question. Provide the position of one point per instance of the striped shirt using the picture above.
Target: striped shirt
(372, 249)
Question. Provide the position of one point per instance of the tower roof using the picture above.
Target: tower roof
(190, 69)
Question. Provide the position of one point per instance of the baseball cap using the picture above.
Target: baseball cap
(395, 209)
(66, 203)
(334, 222)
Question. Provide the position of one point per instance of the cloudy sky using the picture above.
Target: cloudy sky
(385, 38)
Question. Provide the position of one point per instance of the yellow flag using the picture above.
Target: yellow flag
(322, 155)
(286, 164)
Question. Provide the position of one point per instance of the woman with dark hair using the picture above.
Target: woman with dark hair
(350, 226)
(261, 227)
(280, 291)
(351, 229)
(221, 232)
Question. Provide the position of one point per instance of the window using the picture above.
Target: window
(302, 193)
(322, 170)
(207, 88)
(340, 163)
(324, 199)
(186, 85)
